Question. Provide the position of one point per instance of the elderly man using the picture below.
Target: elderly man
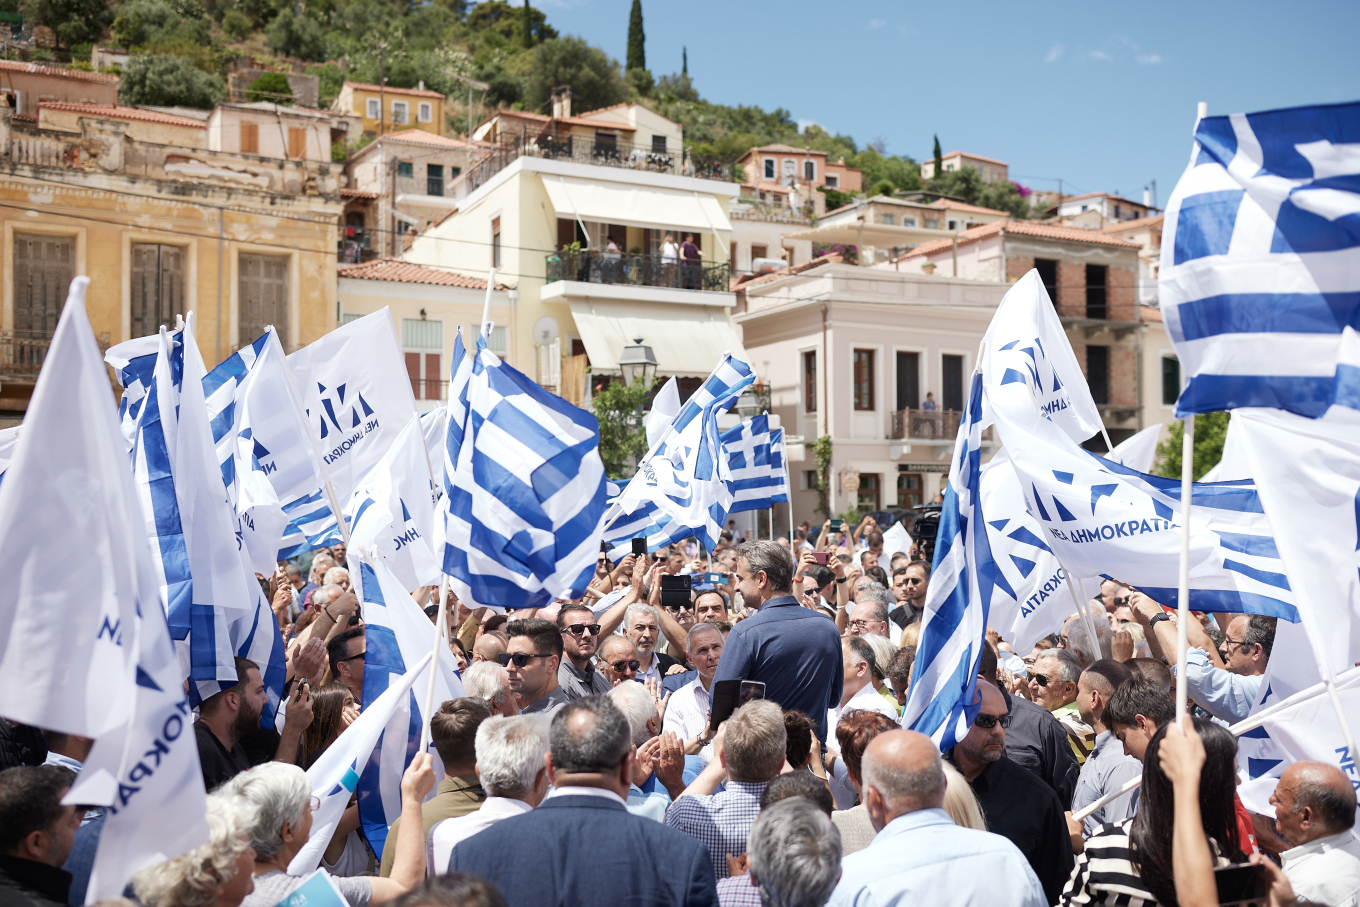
(1035, 740)
(1108, 768)
(1017, 805)
(642, 623)
(510, 765)
(750, 749)
(1076, 639)
(870, 615)
(688, 708)
(1053, 685)
(1315, 812)
(532, 658)
(793, 650)
(1224, 681)
(857, 692)
(489, 647)
(794, 854)
(490, 683)
(581, 846)
(37, 832)
(618, 660)
(648, 795)
(338, 576)
(919, 853)
(580, 637)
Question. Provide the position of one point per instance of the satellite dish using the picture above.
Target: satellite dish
(545, 330)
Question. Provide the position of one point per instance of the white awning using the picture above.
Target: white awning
(688, 341)
(635, 206)
(882, 236)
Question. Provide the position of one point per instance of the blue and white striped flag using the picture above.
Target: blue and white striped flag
(1260, 269)
(524, 487)
(397, 634)
(681, 486)
(958, 602)
(393, 510)
(755, 456)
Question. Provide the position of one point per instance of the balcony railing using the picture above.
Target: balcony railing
(929, 425)
(22, 354)
(355, 246)
(589, 266)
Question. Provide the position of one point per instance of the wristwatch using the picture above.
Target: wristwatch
(1160, 615)
(841, 580)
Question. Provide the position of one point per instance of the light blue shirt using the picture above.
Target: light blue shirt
(1106, 770)
(1221, 693)
(923, 859)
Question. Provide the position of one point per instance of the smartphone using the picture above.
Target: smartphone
(837, 525)
(750, 689)
(640, 547)
(675, 591)
(712, 579)
(1240, 883)
(605, 547)
(821, 557)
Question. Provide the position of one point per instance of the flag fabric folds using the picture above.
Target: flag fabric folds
(755, 457)
(665, 407)
(524, 487)
(1138, 450)
(392, 511)
(1260, 266)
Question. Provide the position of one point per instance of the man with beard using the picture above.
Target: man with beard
(226, 717)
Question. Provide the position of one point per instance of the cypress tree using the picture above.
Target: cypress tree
(939, 158)
(637, 50)
(526, 34)
(684, 61)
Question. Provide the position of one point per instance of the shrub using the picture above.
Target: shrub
(296, 36)
(236, 24)
(166, 81)
(272, 86)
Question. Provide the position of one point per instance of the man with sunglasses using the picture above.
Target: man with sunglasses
(909, 588)
(577, 676)
(532, 658)
(618, 660)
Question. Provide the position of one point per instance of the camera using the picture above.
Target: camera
(924, 528)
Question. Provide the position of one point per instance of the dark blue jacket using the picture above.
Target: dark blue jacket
(588, 850)
(795, 651)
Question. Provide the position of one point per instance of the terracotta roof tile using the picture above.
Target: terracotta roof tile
(388, 89)
(830, 258)
(1024, 228)
(976, 157)
(45, 70)
(357, 193)
(780, 148)
(119, 112)
(405, 272)
(961, 206)
(1135, 224)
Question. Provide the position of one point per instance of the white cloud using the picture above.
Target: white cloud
(877, 23)
(1099, 55)
(1149, 59)
(1054, 53)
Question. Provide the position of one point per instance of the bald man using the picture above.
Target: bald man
(1315, 811)
(919, 851)
(489, 647)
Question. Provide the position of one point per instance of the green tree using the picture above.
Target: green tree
(526, 27)
(967, 184)
(73, 21)
(594, 77)
(138, 20)
(1210, 431)
(637, 39)
(939, 157)
(623, 432)
(165, 81)
(296, 36)
(272, 86)
(500, 17)
(684, 62)
(236, 24)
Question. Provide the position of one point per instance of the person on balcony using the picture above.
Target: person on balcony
(670, 256)
(931, 415)
(610, 262)
(692, 254)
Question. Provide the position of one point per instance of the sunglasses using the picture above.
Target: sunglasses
(987, 722)
(519, 658)
(621, 666)
(582, 629)
(1040, 679)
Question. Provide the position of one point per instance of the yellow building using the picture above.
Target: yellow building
(161, 229)
(383, 109)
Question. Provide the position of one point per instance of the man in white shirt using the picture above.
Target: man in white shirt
(688, 708)
(514, 776)
(1315, 812)
(857, 692)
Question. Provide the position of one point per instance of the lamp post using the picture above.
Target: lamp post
(637, 361)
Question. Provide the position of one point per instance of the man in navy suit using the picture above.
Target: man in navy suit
(582, 846)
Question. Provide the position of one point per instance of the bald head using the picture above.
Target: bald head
(1313, 800)
(902, 774)
(489, 647)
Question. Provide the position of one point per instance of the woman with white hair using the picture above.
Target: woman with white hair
(280, 803)
(218, 874)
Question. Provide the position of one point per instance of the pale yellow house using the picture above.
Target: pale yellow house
(383, 108)
(272, 130)
(142, 125)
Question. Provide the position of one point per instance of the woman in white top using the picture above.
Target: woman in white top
(670, 256)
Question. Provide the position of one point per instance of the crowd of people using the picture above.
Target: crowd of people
(582, 765)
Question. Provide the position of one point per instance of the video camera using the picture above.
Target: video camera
(924, 527)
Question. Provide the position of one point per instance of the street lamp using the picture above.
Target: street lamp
(637, 361)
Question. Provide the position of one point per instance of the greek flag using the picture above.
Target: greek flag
(524, 487)
(392, 511)
(397, 634)
(1260, 267)
(681, 486)
(963, 580)
(755, 457)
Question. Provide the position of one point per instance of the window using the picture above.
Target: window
(810, 381)
(434, 179)
(263, 288)
(769, 168)
(297, 143)
(908, 380)
(810, 171)
(658, 144)
(250, 138)
(1048, 273)
(864, 379)
(1098, 372)
(952, 371)
(888, 219)
(373, 111)
(347, 317)
(454, 172)
(43, 268)
(758, 251)
(425, 112)
(952, 224)
(157, 287)
(932, 223)
(399, 109)
(1171, 380)
(1095, 291)
(809, 480)
(908, 489)
(422, 343)
(908, 221)
(790, 167)
(606, 145)
(406, 169)
(833, 181)
(496, 242)
(868, 492)
(497, 341)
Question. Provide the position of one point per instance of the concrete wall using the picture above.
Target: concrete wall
(33, 87)
(160, 133)
(224, 133)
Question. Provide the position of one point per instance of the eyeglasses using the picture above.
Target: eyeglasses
(1040, 679)
(350, 658)
(862, 624)
(314, 803)
(1240, 643)
(519, 658)
(621, 666)
(582, 629)
(912, 580)
(987, 722)
(1121, 601)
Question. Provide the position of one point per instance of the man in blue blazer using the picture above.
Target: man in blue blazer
(582, 846)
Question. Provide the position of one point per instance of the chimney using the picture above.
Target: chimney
(1147, 196)
(561, 102)
(421, 84)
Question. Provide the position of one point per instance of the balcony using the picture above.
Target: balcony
(22, 354)
(627, 269)
(355, 246)
(927, 425)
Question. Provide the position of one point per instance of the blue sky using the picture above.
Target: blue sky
(1102, 95)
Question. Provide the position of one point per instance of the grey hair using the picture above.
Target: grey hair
(883, 652)
(633, 700)
(191, 879)
(332, 570)
(640, 608)
(924, 787)
(324, 595)
(1069, 666)
(874, 607)
(1079, 639)
(1327, 791)
(510, 754)
(598, 745)
(795, 853)
(860, 649)
(487, 681)
(875, 592)
(755, 742)
(772, 558)
(1260, 631)
(700, 628)
(276, 793)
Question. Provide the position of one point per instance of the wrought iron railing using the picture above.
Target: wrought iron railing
(22, 353)
(925, 424)
(354, 246)
(590, 266)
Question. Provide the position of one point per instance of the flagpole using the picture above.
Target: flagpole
(441, 630)
(486, 304)
(1085, 611)
(1183, 590)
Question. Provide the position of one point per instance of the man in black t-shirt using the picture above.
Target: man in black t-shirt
(227, 717)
